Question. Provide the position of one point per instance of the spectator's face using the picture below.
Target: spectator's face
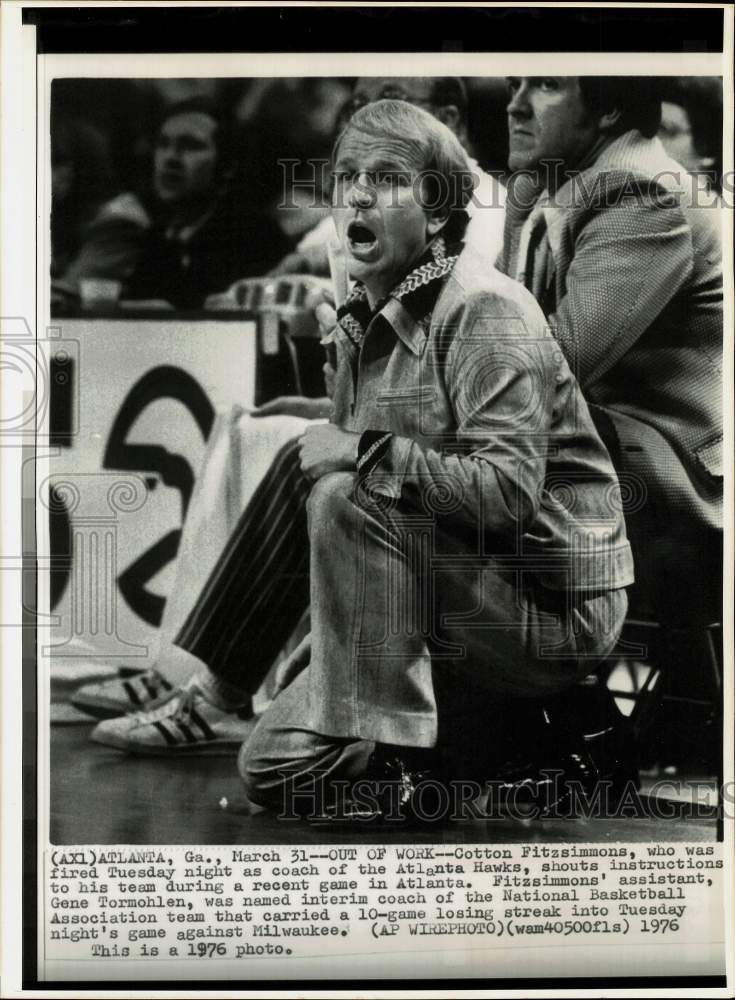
(382, 226)
(675, 132)
(547, 120)
(185, 165)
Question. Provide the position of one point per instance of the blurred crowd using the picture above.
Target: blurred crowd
(167, 191)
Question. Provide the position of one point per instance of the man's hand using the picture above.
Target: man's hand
(326, 317)
(326, 448)
(296, 406)
(329, 374)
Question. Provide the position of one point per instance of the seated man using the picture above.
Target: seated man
(467, 547)
(203, 238)
(604, 228)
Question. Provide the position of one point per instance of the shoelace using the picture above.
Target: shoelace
(143, 686)
(177, 707)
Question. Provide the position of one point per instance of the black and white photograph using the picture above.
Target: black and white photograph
(375, 580)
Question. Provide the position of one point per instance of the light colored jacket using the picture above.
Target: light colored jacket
(627, 269)
(486, 414)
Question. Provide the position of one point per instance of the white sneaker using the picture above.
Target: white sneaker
(184, 724)
(128, 692)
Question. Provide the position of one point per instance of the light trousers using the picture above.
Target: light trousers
(415, 623)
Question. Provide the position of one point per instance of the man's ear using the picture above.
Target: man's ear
(436, 222)
(449, 115)
(609, 120)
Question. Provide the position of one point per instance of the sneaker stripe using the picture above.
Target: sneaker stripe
(203, 724)
(123, 672)
(153, 687)
(132, 694)
(186, 732)
(169, 738)
(150, 688)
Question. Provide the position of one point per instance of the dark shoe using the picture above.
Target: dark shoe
(399, 786)
(407, 784)
(581, 762)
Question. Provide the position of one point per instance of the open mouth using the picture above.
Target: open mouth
(363, 242)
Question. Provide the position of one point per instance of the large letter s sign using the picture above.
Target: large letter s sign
(163, 382)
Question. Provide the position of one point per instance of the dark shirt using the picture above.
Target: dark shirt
(228, 245)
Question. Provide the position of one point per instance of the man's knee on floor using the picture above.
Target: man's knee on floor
(264, 784)
(290, 789)
(279, 763)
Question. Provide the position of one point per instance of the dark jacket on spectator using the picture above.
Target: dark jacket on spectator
(185, 268)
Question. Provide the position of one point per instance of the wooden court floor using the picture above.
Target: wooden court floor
(102, 796)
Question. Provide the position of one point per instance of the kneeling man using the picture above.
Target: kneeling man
(468, 550)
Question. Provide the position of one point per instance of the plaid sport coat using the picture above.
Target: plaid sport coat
(625, 261)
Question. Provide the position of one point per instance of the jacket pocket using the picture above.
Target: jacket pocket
(407, 395)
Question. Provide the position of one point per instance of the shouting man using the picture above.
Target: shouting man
(467, 546)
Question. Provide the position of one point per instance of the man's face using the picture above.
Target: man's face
(547, 120)
(380, 221)
(675, 132)
(185, 163)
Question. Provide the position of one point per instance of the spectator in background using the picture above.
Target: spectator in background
(295, 119)
(204, 238)
(691, 126)
(96, 230)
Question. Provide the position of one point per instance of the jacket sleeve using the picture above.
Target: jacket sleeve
(630, 260)
(499, 376)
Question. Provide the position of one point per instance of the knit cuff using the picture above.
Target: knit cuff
(371, 448)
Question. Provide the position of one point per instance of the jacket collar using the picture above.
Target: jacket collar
(408, 305)
(629, 157)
